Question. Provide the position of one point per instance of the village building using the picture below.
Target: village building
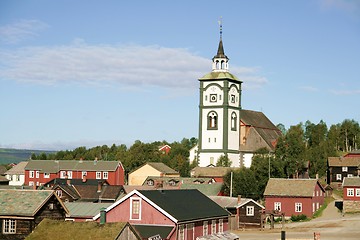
(294, 196)
(155, 169)
(83, 211)
(188, 214)
(341, 167)
(39, 172)
(16, 174)
(351, 194)
(22, 210)
(215, 173)
(246, 213)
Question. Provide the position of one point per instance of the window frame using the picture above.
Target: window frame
(277, 206)
(213, 226)
(298, 207)
(205, 228)
(105, 175)
(344, 169)
(212, 120)
(350, 192)
(250, 210)
(37, 174)
(357, 192)
(221, 225)
(135, 209)
(9, 226)
(46, 175)
(98, 175)
(338, 177)
(31, 174)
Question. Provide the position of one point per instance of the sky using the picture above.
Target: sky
(89, 73)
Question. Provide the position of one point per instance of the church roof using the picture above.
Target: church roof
(219, 75)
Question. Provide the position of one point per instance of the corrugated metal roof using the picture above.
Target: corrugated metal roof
(290, 187)
(161, 167)
(22, 202)
(54, 166)
(85, 209)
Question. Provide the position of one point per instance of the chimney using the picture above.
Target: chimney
(81, 160)
(239, 199)
(95, 161)
(317, 176)
(102, 216)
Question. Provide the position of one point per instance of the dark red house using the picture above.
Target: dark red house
(351, 194)
(187, 214)
(39, 172)
(294, 196)
(341, 167)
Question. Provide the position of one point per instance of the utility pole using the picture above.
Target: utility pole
(231, 180)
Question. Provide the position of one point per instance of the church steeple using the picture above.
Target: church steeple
(220, 60)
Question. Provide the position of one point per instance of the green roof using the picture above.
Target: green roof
(22, 202)
(54, 166)
(219, 75)
(185, 205)
(85, 209)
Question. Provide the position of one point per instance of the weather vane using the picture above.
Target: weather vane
(220, 24)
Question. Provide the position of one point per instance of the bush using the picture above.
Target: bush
(298, 218)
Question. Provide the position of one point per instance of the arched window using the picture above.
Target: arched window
(212, 120)
(233, 121)
(217, 64)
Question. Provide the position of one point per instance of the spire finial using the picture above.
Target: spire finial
(220, 25)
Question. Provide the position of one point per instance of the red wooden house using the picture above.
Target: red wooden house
(294, 196)
(187, 214)
(39, 172)
(351, 194)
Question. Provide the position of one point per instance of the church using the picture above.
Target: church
(225, 129)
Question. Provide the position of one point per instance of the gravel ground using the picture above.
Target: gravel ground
(331, 226)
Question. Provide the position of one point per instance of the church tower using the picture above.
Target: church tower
(219, 113)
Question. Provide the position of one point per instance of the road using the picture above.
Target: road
(331, 226)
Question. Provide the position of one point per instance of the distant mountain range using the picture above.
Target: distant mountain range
(9, 155)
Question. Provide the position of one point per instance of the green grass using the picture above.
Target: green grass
(319, 212)
(56, 230)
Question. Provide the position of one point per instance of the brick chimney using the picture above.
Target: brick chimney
(239, 199)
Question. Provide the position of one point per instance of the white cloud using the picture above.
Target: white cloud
(20, 31)
(127, 65)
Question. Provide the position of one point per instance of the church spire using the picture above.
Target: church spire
(220, 60)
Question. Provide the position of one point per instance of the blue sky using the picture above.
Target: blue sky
(88, 73)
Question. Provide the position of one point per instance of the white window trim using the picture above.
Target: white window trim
(62, 174)
(221, 225)
(250, 210)
(105, 175)
(357, 192)
(69, 174)
(338, 176)
(182, 232)
(11, 227)
(46, 175)
(37, 173)
(131, 207)
(98, 175)
(298, 207)
(205, 228)
(83, 173)
(344, 169)
(350, 192)
(213, 226)
(277, 206)
(31, 174)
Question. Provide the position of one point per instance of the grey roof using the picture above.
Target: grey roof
(17, 169)
(291, 187)
(262, 125)
(343, 161)
(232, 202)
(351, 182)
(22, 202)
(84, 209)
(185, 205)
(54, 166)
(212, 189)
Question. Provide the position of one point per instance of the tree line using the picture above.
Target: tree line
(302, 149)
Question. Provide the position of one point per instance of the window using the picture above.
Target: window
(205, 228)
(69, 174)
(221, 225)
(249, 210)
(298, 207)
(98, 175)
(233, 121)
(83, 174)
(212, 120)
(37, 174)
(62, 174)
(357, 192)
(31, 174)
(135, 208)
(350, 192)
(59, 193)
(181, 232)
(213, 226)
(46, 175)
(17, 178)
(9, 226)
(213, 97)
(105, 175)
(150, 182)
(344, 169)
(277, 206)
(232, 98)
(31, 183)
(338, 176)
(350, 175)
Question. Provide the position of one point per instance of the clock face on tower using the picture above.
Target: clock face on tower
(213, 97)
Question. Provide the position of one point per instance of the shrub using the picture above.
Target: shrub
(298, 218)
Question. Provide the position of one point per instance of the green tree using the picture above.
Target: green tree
(223, 161)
